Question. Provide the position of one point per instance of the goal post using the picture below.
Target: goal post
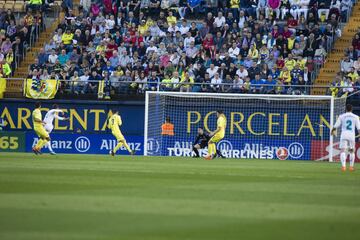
(294, 127)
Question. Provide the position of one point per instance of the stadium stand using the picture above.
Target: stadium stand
(250, 46)
(348, 78)
(20, 30)
(332, 73)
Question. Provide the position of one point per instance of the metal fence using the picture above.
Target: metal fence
(113, 89)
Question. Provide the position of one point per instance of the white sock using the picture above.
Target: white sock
(343, 159)
(48, 144)
(352, 159)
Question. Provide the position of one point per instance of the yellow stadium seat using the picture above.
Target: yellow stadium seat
(2, 3)
(9, 5)
(19, 7)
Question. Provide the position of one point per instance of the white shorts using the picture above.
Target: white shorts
(49, 127)
(347, 144)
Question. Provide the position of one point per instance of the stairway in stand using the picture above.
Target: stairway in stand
(22, 70)
(332, 65)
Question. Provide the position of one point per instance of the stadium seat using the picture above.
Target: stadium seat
(2, 3)
(19, 7)
(9, 5)
(57, 2)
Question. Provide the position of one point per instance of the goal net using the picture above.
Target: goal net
(258, 126)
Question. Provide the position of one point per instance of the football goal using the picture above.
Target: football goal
(293, 127)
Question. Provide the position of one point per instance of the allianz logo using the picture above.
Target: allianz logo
(81, 144)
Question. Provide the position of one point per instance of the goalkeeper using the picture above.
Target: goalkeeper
(201, 141)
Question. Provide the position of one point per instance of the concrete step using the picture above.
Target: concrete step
(325, 75)
(328, 70)
(318, 92)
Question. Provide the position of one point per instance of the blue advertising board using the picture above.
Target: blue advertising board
(85, 143)
(253, 131)
(234, 148)
(85, 117)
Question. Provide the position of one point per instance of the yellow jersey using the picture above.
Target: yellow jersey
(171, 20)
(353, 76)
(234, 3)
(290, 43)
(221, 123)
(143, 29)
(286, 76)
(67, 38)
(36, 115)
(290, 64)
(254, 53)
(114, 123)
(302, 63)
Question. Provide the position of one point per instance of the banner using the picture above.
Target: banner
(12, 141)
(40, 89)
(320, 151)
(101, 89)
(245, 148)
(86, 143)
(2, 87)
(86, 117)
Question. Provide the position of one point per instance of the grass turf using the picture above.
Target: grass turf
(99, 197)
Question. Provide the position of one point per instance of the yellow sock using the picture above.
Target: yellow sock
(118, 146)
(127, 146)
(39, 143)
(44, 141)
(211, 148)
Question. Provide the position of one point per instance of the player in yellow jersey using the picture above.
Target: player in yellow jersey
(114, 125)
(217, 135)
(39, 129)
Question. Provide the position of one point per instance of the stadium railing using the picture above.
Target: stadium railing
(67, 88)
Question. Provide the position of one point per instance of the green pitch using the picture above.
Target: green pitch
(137, 198)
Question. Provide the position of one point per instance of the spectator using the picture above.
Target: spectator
(237, 85)
(93, 82)
(257, 84)
(216, 83)
(42, 57)
(345, 7)
(5, 69)
(153, 81)
(192, 7)
(34, 5)
(186, 82)
(346, 64)
(323, 9)
(270, 84)
(143, 41)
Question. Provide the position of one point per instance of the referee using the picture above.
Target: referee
(201, 142)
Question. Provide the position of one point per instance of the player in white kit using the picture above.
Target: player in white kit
(49, 119)
(348, 122)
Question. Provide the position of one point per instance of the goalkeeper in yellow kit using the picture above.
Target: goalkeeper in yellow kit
(39, 129)
(217, 135)
(114, 125)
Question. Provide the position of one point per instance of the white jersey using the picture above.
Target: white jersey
(348, 122)
(49, 118)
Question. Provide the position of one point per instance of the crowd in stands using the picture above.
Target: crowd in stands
(247, 46)
(12, 36)
(16, 34)
(347, 81)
